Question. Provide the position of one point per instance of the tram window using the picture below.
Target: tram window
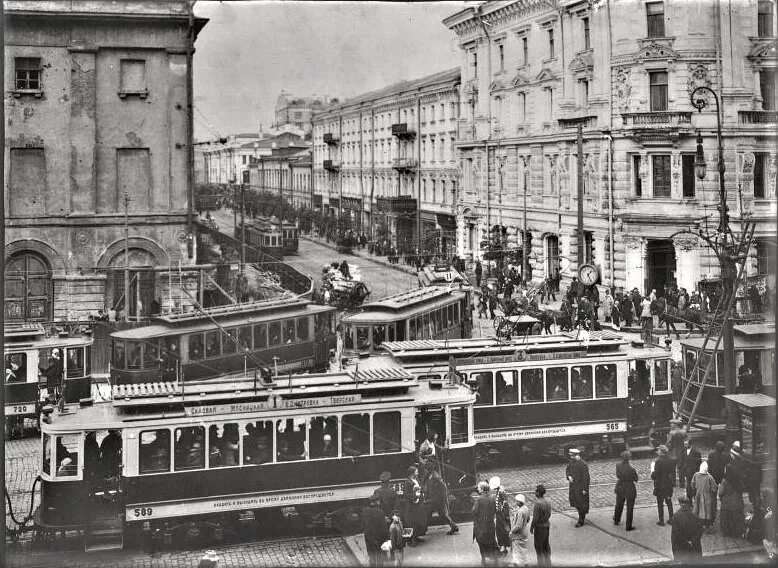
(450, 315)
(532, 385)
(426, 326)
(379, 334)
(16, 368)
(302, 329)
(87, 360)
(117, 359)
(400, 330)
(459, 425)
(258, 443)
(390, 327)
(348, 340)
(67, 455)
(260, 336)
(154, 455)
(456, 313)
(507, 387)
(47, 454)
(690, 358)
(429, 377)
(660, 375)
(485, 388)
(412, 329)
(356, 435)
(556, 383)
(190, 448)
(229, 341)
(170, 357)
(274, 333)
(223, 447)
(244, 338)
(133, 354)
(75, 362)
(363, 338)
(720, 372)
(288, 331)
(605, 381)
(290, 439)
(434, 322)
(323, 436)
(213, 346)
(151, 354)
(581, 382)
(386, 432)
(196, 347)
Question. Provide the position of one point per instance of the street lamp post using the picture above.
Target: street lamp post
(724, 249)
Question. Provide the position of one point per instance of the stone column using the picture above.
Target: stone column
(634, 253)
(687, 261)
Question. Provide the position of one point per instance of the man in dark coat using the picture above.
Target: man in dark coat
(478, 272)
(686, 534)
(413, 506)
(717, 461)
(53, 372)
(376, 529)
(111, 453)
(540, 526)
(386, 494)
(626, 477)
(483, 524)
(663, 474)
(436, 494)
(577, 473)
(677, 449)
(691, 465)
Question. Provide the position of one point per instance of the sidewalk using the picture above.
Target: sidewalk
(598, 543)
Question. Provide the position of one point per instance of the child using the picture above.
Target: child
(398, 543)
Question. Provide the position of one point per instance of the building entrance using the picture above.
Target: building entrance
(660, 265)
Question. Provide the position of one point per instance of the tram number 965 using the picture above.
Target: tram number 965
(143, 511)
(611, 426)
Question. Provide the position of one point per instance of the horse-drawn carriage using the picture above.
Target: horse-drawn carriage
(346, 294)
(515, 325)
(346, 243)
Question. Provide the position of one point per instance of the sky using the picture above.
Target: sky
(250, 50)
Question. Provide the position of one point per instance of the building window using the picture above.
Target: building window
(586, 33)
(583, 92)
(525, 51)
(133, 76)
(28, 73)
(434, 192)
(655, 15)
(765, 257)
(501, 55)
(767, 88)
(474, 63)
(760, 160)
(658, 88)
(28, 288)
(522, 98)
(687, 173)
(133, 167)
(660, 166)
(550, 103)
(27, 182)
(550, 44)
(765, 18)
(588, 247)
(498, 105)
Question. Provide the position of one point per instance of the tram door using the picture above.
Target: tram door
(432, 419)
(639, 394)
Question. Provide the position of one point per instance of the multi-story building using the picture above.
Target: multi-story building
(89, 86)
(387, 159)
(297, 112)
(286, 172)
(532, 71)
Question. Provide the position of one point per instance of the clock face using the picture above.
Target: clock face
(587, 274)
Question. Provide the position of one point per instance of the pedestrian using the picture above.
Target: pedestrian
(676, 446)
(436, 493)
(691, 465)
(483, 524)
(502, 516)
(386, 494)
(397, 540)
(413, 506)
(663, 474)
(376, 532)
(520, 517)
(492, 303)
(607, 307)
(478, 272)
(676, 383)
(577, 473)
(53, 373)
(732, 507)
(646, 319)
(540, 527)
(704, 501)
(717, 461)
(686, 534)
(626, 477)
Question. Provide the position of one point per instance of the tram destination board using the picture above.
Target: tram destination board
(521, 355)
(274, 402)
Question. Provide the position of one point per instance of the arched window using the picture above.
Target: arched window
(28, 289)
(142, 282)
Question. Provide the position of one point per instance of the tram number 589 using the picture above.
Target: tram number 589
(143, 511)
(611, 426)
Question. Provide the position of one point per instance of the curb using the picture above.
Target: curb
(357, 550)
(397, 267)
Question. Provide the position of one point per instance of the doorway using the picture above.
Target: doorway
(660, 265)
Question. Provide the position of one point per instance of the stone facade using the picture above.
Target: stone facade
(285, 172)
(375, 154)
(87, 89)
(626, 77)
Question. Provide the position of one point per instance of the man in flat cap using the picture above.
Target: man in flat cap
(677, 449)
(663, 474)
(386, 494)
(686, 534)
(577, 473)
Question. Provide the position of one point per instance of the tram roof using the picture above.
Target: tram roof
(375, 315)
(753, 336)
(758, 400)
(405, 299)
(12, 331)
(233, 310)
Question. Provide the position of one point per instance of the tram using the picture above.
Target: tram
(432, 312)
(265, 234)
(754, 363)
(439, 275)
(544, 394)
(239, 455)
(28, 348)
(290, 237)
(281, 334)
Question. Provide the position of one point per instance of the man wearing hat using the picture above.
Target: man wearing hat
(53, 372)
(376, 530)
(626, 477)
(386, 494)
(677, 449)
(540, 526)
(483, 524)
(577, 473)
(520, 517)
(686, 534)
(663, 474)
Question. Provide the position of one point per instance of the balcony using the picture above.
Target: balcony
(331, 165)
(659, 118)
(330, 139)
(402, 204)
(573, 122)
(405, 164)
(401, 130)
(769, 117)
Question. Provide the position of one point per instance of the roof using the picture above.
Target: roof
(756, 329)
(452, 74)
(752, 400)
(406, 299)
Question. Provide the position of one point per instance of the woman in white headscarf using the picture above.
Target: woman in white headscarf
(520, 516)
(704, 489)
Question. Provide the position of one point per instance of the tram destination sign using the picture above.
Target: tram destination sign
(520, 355)
(551, 431)
(272, 403)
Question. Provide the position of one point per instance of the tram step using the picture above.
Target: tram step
(105, 534)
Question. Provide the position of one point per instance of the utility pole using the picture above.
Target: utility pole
(524, 241)
(580, 165)
(242, 226)
(127, 200)
(190, 129)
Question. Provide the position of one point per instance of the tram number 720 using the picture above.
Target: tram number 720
(143, 511)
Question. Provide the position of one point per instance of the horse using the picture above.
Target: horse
(670, 315)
